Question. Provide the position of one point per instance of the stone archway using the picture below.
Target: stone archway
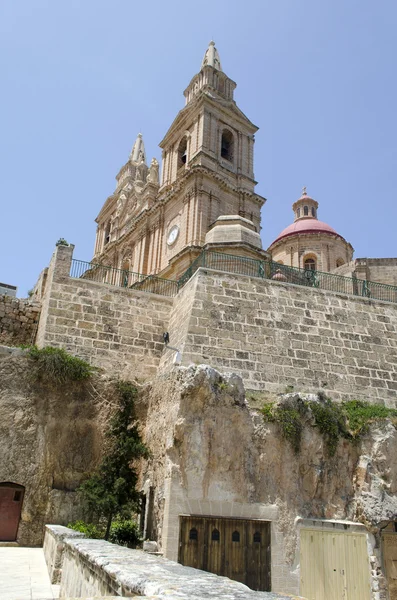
(11, 498)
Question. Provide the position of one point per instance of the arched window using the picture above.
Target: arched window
(227, 145)
(193, 535)
(215, 535)
(107, 233)
(280, 262)
(340, 262)
(310, 264)
(313, 211)
(182, 153)
(235, 536)
(306, 211)
(298, 212)
(257, 537)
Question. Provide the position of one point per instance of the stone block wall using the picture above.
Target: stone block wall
(276, 335)
(117, 329)
(18, 320)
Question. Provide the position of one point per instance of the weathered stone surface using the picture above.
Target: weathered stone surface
(214, 455)
(94, 567)
(117, 329)
(276, 335)
(19, 319)
(50, 437)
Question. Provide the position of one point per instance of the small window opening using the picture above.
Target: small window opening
(193, 535)
(182, 153)
(313, 211)
(235, 536)
(17, 496)
(227, 145)
(306, 211)
(298, 213)
(340, 262)
(257, 537)
(310, 264)
(215, 535)
(107, 232)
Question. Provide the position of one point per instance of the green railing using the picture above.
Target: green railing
(282, 273)
(229, 263)
(122, 278)
(239, 265)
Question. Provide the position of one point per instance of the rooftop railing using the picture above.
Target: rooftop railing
(238, 265)
(123, 278)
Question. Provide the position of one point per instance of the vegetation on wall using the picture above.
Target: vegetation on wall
(124, 532)
(347, 420)
(57, 365)
(110, 492)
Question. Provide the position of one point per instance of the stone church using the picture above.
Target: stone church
(181, 296)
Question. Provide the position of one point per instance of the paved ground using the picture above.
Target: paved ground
(24, 575)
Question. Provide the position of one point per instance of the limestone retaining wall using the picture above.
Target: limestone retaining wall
(117, 329)
(98, 568)
(18, 320)
(276, 335)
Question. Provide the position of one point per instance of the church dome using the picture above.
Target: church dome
(309, 243)
(306, 221)
(303, 226)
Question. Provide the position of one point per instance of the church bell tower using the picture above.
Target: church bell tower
(207, 169)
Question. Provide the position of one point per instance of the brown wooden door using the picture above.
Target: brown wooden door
(11, 497)
(192, 542)
(235, 548)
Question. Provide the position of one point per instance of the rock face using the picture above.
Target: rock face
(50, 438)
(212, 450)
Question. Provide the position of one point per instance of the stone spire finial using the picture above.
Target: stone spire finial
(304, 192)
(211, 57)
(138, 154)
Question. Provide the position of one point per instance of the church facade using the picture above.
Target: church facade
(205, 196)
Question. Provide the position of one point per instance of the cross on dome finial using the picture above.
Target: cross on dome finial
(211, 57)
(304, 192)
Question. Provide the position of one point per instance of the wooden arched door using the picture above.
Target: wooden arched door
(11, 498)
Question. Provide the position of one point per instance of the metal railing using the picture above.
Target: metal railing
(277, 272)
(240, 265)
(122, 278)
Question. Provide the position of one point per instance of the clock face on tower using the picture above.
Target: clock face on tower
(172, 235)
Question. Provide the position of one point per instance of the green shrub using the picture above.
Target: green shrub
(348, 420)
(361, 414)
(331, 422)
(57, 365)
(288, 420)
(124, 533)
(90, 530)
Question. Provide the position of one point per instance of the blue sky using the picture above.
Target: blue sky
(79, 80)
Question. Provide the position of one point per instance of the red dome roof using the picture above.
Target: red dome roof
(306, 226)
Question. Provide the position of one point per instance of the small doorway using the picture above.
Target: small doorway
(11, 498)
(235, 548)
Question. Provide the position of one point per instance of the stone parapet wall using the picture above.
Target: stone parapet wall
(53, 549)
(98, 568)
(278, 335)
(18, 320)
